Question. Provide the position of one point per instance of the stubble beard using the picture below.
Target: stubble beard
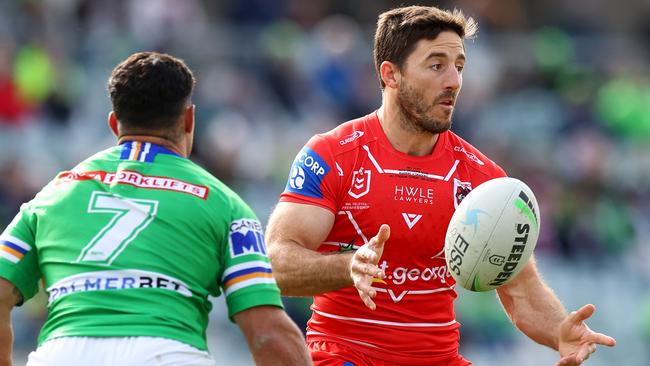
(417, 115)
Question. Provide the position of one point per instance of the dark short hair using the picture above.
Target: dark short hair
(150, 90)
(398, 30)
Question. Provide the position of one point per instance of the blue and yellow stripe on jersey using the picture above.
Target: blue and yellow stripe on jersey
(12, 248)
(143, 151)
(246, 274)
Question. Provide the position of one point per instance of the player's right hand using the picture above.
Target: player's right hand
(363, 267)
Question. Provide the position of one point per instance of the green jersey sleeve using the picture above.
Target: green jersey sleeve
(18, 257)
(247, 279)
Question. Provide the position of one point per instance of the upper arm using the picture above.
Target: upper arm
(19, 263)
(305, 214)
(303, 224)
(246, 277)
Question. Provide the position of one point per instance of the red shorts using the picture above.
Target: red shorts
(337, 354)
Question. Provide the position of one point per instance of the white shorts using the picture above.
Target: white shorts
(117, 351)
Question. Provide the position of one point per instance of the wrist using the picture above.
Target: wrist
(557, 334)
(347, 260)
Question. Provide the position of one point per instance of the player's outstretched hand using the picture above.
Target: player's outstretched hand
(576, 341)
(363, 267)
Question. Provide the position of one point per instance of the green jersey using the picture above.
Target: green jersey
(131, 242)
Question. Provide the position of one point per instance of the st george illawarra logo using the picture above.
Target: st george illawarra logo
(360, 183)
(461, 190)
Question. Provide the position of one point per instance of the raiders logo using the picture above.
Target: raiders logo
(461, 190)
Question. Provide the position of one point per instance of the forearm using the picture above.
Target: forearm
(272, 337)
(6, 337)
(280, 347)
(533, 307)
(303, 272)
(9, 296)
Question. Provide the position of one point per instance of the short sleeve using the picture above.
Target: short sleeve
(313, 177)
(18, 255)
(247, 278)
(498, 172)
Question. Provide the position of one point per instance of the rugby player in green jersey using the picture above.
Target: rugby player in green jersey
(130, 243)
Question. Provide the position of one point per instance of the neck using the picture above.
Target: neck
(174, 146)
(401, 133)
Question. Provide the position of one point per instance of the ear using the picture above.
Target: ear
(112, 124)
(390, 74)
(188, 119)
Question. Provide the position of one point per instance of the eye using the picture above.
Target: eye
(460, 68)
(436, 67)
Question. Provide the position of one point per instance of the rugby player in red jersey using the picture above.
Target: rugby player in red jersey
(366, 207)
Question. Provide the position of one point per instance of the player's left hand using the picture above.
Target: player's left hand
(576, 342)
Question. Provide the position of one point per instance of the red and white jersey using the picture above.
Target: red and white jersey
(355, 172)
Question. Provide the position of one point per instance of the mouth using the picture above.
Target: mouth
(449, 103)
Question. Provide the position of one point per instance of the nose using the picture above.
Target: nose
(453, 79)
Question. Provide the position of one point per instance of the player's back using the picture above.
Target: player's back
(132, 241)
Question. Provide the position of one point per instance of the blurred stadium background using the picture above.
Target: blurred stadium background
(557, 92)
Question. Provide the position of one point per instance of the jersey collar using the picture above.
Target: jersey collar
(143, 151)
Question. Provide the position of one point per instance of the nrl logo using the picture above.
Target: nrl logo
(360, 183)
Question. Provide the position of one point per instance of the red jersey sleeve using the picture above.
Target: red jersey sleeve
(313, 178)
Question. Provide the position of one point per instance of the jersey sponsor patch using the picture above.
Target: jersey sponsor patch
(307, 173)
(12, 248)
(137, 179)
(246, 274)
(246, 237)
(115, 280)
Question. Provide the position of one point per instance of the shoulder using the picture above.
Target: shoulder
(98, 159)
(218, 190)
(472, 157)
(347, 136)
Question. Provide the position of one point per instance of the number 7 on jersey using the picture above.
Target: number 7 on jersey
(130, 217)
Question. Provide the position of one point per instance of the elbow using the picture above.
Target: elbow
(282, 342)
(274, 253)
(276, 339)
(278, 266)
(9, 295)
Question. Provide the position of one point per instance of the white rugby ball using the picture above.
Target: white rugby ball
(492, 234)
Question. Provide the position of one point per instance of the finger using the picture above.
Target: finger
(600, 338)
(592, 349)
(584, 352)
(369, 303)
(369, 292)
(367, 255)
(567, 361)
(380, 239)
(365, 297)
(364, 286)
(582, 314)
(365, 269)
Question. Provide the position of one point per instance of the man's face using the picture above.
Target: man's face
(431, 80)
